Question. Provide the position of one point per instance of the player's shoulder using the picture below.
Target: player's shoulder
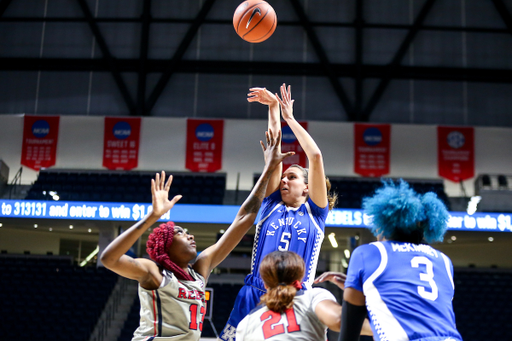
(367, 248)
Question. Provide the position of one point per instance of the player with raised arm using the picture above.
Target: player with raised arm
(170, 291)
(293, 212)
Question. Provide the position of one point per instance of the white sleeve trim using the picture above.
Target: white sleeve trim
(319, 295)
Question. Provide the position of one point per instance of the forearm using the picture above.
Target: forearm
(274, 117)
(244, 220)
(274, 124)
(122, 243)
(352, 318)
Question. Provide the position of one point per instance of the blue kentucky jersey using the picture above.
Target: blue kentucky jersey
(282, 228)
(408, 288)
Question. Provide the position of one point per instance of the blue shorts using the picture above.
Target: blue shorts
(247, 299)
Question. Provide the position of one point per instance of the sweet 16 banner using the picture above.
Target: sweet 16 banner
(204, 145)
(121, 143)
(371, 149)
(456, 153)
(40, 134)
(289, 143)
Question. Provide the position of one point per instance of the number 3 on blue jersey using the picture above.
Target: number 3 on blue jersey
(426, 277)
(285, 238)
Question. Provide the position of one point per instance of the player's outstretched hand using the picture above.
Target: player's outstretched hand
(337, 278)
(286, 102)
(272, 149)
(160, 194)
(262, 95)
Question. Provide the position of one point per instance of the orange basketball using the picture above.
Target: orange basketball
(254, 20)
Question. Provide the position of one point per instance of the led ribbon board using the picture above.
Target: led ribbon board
(217, 214)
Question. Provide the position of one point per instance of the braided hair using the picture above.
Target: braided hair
(399, 213)
(281, 272)
(159, 241)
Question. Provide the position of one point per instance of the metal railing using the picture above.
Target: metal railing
(107, 316)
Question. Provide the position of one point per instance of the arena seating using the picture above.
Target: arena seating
(351, 191)
(196, 188)
(47, 298)
(482, 304)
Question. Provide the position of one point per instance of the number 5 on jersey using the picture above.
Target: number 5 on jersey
(285, 239)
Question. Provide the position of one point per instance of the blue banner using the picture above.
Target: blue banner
(218, 214)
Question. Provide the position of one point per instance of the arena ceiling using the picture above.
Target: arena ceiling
(370, 76)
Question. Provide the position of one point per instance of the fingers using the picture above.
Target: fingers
(168, 183)
(279, 100)
(157, 181)
(270, 136)
(162, 181)
(176, 198)
(263, 146)
(288, 154)
(153, 186)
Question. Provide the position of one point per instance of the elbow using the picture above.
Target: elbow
(248, 219)
(336, 326)
(316, 157)
(107, 261)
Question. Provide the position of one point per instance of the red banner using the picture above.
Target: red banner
(40, 135)
(289, 143)
(456, 153)
(204, 145)
(371, 149)
(121, 143)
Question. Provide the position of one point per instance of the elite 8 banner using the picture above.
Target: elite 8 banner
(40, 135)
(204, 145)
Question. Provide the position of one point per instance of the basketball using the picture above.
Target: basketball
(254, 21)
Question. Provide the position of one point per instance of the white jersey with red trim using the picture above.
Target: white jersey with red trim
(175, 311)
(297, 323)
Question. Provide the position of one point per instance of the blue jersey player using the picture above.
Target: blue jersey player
(405, 287)
(293, 213)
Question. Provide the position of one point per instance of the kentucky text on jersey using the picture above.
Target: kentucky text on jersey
(289, 221)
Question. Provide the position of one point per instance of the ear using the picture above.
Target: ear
(306, 190)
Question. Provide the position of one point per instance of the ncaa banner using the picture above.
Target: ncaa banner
(371, 149)
(40, 134)
(456, 153)
(204, 145)
(289, 143)
(121, 143)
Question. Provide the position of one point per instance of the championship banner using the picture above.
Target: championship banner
(289, 143)
(371, 149)
(40, 135)
(204, 145)
(121, 143)
(456, 153)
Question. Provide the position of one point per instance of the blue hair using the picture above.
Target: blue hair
(397, 208)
